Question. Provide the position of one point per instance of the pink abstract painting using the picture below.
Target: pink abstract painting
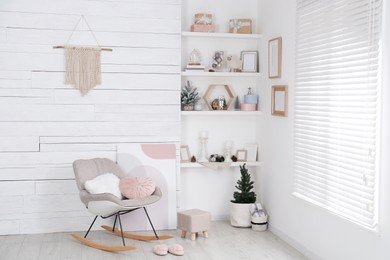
(157, 161)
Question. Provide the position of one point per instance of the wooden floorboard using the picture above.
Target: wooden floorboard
(31, 247)
(11, 246)
(224, 242)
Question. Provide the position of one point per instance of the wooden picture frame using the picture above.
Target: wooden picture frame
(249, 61)
(279, 100)
(275, 58)
(241, 155)
(185, 153)
(251, 154)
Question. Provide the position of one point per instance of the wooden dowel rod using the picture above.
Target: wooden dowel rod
(62, 47)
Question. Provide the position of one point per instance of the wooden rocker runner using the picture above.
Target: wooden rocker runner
(134, 236)
(108, 205)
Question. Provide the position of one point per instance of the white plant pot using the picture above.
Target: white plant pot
(240, 215)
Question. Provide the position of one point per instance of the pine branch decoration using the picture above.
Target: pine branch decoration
(245, 186)
(189, 95)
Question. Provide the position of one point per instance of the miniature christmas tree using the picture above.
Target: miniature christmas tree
(189, 95)
(245, 186)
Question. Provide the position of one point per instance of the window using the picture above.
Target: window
(336, 106)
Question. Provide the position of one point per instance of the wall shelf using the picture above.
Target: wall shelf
(234, 164)
(222, 35)
(219, 74)
(221, 113)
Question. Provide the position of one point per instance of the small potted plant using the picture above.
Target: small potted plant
(189, 97)
(240, 215)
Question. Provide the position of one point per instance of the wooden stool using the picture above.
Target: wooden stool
(193, 221)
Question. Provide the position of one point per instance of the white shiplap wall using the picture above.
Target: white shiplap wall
(45, 125)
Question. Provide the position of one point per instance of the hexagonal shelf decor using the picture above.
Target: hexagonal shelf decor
(214, 93)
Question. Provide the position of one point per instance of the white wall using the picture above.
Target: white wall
(317, 233)
(45, 125)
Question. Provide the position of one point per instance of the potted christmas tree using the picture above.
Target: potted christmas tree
(189, 97)
(240, 215)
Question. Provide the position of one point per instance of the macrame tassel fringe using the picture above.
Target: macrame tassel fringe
(82, 68)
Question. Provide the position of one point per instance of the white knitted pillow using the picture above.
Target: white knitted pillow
(105, 183)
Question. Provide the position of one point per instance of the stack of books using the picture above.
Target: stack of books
(195, 68)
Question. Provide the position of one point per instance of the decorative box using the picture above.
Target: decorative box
(202, 28)
(251, 99)
(248, 107)
(240, 26)
(202, 18)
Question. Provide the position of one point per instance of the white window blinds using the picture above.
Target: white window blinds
(336, 106)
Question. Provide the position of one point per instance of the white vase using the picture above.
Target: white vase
(240, 215)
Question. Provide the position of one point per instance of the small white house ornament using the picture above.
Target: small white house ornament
(195, 57)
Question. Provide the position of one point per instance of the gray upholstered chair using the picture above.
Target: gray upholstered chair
(107, 205)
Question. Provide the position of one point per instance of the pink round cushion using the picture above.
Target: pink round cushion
(136, 187)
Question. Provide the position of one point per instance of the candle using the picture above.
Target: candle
(204, 134)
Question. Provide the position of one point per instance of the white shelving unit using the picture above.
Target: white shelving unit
(221, 113)
(220, 74)
(238, 82)
(205, 187)
(234, 164)
(222, 35)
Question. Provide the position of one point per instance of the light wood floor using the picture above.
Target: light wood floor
(224, 243)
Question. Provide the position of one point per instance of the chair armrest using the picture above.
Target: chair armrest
(157, 192)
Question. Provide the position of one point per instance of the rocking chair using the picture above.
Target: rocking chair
(108, 205)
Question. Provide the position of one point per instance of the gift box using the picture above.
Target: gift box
(251, 99)
(202, 28)
(248, 107)
(240, 26)
(202, 18)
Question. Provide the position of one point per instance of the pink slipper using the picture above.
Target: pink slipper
(176, 249)
(161, 249)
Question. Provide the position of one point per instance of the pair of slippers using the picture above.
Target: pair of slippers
(163, 249)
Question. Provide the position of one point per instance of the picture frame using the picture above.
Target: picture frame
(241, 155)
(249, 61)
(275, 58)
(185, 153)
(279, 104)
(251, 149)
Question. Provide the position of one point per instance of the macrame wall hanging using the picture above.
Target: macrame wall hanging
(82, 63)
